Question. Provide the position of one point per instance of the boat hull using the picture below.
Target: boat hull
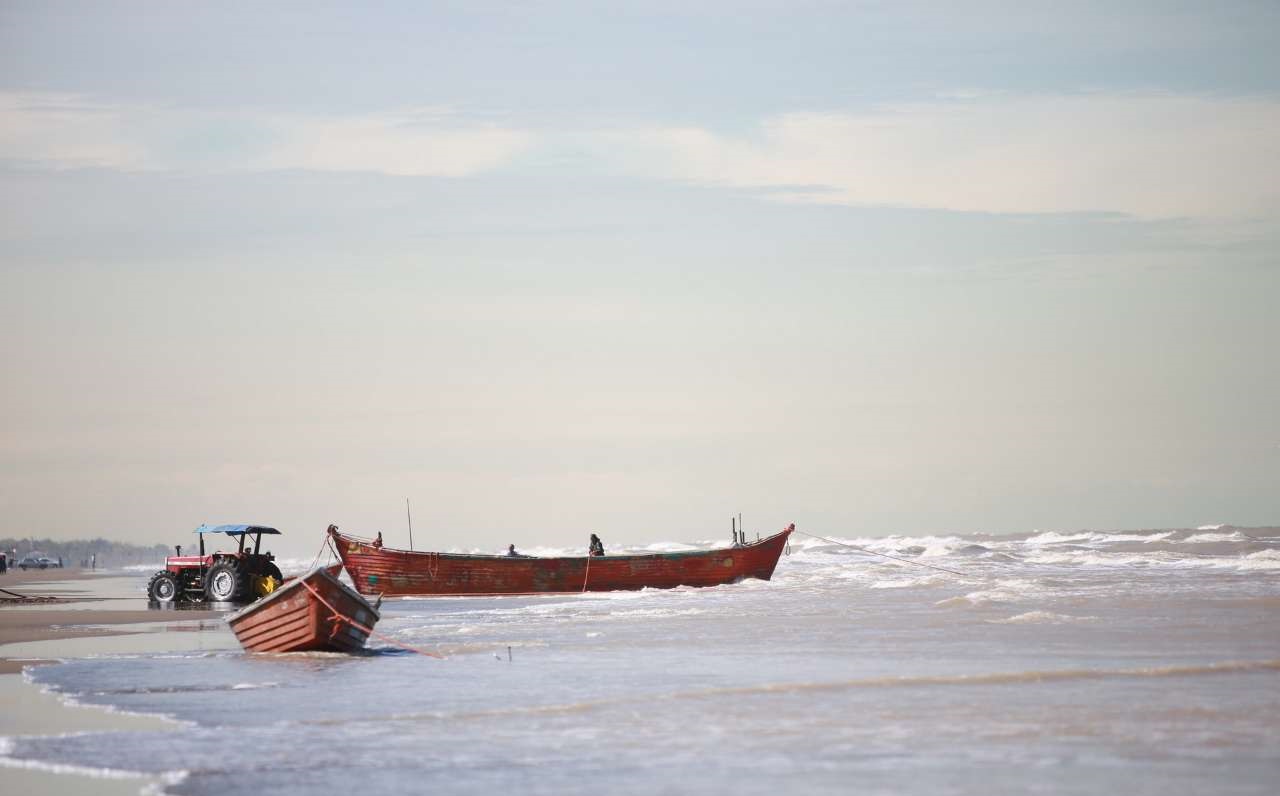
(294, 618)
(404, 573)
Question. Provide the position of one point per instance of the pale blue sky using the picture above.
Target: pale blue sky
(553, 268)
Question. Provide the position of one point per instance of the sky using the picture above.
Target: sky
(543, 269)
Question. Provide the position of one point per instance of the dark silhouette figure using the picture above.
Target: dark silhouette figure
(596, 548)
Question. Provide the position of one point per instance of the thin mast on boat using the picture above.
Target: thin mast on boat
(410, 516)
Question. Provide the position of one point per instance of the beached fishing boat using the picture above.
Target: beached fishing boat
(375, 569)
(313, 612)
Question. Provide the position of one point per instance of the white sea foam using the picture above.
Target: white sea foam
(7, 743)
(937, 548)
(1053, 537)
(1095, 537)
(1203, 538)
(1005, 591)
(169, 779)
(1261, 560)
(1134, 537)
(677, 547)
(1093, 558)
(1041, 618)
(655, 613)
(912, 583)
(297, 566)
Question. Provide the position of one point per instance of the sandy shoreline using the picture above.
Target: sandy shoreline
(91, 613)
(86, 604)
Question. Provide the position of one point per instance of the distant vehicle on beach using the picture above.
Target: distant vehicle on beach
(38, 561)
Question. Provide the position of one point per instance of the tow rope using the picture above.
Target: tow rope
(13, 596)
(885, 555)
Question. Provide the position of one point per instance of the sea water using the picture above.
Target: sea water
(1137, 662)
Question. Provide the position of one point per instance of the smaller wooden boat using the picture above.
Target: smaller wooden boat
(313, 612)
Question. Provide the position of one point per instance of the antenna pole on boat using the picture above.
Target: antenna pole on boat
(410, 516)
(742, 531)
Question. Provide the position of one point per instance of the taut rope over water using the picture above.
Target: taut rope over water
(328, 542)
(885, 555)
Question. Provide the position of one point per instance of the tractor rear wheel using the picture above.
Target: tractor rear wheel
(163, 588)
(227, 583)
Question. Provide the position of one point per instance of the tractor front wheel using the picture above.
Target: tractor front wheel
(163, 588)
(227, 583)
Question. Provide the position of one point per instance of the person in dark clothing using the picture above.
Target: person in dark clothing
(511, 551)
(596, 548)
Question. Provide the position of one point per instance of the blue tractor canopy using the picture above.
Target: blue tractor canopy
(237, 531)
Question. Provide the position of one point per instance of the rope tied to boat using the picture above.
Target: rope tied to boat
(586, 574)
(885, 555)
(333, 554)
(368, 630)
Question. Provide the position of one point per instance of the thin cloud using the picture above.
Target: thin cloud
(1153, 156)
(68, 131)
(1148, 156)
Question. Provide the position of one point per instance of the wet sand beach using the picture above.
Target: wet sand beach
(87, 613)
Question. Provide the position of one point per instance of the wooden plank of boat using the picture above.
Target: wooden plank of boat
(295, 618)
(404, 573)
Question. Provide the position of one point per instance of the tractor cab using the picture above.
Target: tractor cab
(238, 576)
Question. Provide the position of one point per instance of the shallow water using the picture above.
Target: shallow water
(1138, 662)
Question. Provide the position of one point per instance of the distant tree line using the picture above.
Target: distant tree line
(79, 552)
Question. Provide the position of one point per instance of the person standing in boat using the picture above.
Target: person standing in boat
(596, 548)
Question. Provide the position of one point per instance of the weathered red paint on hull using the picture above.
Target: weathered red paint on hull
(293, 619)
(403, 573)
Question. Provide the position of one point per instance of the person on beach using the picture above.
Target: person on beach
(596, 547)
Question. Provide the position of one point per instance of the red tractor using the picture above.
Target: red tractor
(239, 576)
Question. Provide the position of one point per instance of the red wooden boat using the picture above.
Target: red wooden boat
(313, 612)
(403, 573)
